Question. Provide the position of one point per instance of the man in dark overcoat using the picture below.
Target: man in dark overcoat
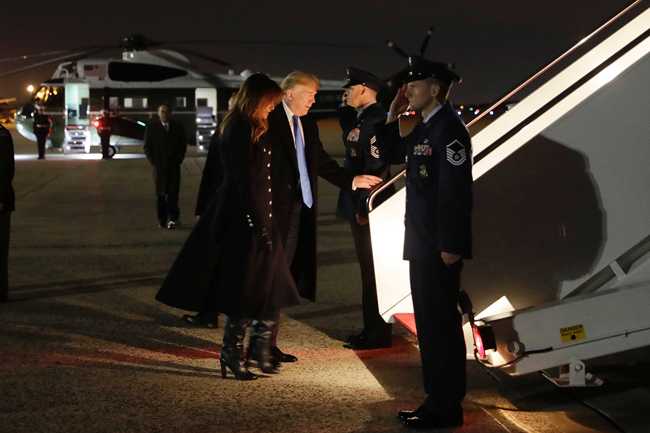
(165, 145)
(7, 205)
(298, 160)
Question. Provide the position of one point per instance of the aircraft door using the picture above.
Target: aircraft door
(77, 137)
(206, 115)
(77, 96)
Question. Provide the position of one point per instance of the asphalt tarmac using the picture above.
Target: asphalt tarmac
(84, 347)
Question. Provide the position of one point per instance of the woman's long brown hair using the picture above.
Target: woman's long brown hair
(257, 91)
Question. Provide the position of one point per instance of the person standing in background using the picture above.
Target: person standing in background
(41, 128)
(165, 145)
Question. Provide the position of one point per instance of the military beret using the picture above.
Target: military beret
(359, 76)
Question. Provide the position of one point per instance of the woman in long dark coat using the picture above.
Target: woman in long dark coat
(234, 256)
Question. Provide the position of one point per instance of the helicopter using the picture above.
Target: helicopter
(148, 73)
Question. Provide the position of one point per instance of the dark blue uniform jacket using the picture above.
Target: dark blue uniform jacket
(367, 155)
(438, 157)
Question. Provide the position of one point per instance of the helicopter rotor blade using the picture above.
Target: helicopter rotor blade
(78, 55)
(182, 64)
(427, 38)
(269, 43)
(200, 55)
(32, 56)
(392, 45)
(73, 56)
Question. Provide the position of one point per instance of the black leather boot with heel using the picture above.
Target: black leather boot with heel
(232, 352)
(261, 346)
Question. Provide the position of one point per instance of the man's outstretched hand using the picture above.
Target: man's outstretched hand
(365, 181)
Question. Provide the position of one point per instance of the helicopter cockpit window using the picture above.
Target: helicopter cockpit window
(41, 94)
(123, 71)
(50, 96)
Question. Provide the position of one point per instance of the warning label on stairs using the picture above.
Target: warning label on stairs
(571, 334)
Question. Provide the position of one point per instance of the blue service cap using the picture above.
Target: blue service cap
(358, 76)
(420, 68)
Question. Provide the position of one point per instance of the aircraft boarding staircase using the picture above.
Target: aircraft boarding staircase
(562, 212)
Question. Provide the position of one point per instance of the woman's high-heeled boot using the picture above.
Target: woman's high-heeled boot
(261, 346)
(233, 350)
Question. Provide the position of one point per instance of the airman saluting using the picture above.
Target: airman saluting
(438, 155)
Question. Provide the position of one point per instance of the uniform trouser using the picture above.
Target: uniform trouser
(434, 290)
(290, 251)
(373, 324)
(105, 141)
(167, 202)
(40, 141)
(5, 224)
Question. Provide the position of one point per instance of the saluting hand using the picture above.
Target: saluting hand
(365, 181)
(399, 105)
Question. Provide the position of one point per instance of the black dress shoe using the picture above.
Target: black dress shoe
(209, 320)
(280, 356)
(404, 414)
(357, 337)
(369, 343)
(425, 420)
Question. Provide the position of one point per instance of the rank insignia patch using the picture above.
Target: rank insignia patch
(374, 151)
(422, 150)
(423, 171)
(456, 153)
(373, 140)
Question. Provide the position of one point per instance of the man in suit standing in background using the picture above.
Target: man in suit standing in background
(165, 146)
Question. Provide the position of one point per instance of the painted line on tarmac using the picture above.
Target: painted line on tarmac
(502, 419)
(56, 290)
(325, 312)
(37, 187)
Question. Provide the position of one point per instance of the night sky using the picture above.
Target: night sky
(495, 45)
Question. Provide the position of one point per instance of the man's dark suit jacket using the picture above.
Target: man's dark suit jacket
(165, 150)
(286, 190)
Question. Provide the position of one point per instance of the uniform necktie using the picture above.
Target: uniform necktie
(305, 186)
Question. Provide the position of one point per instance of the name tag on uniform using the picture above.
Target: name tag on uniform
(422, 150)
